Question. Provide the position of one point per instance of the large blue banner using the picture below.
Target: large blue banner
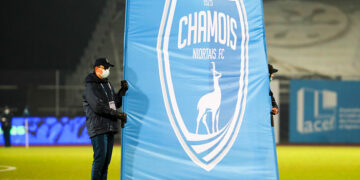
(324, 111)
(198, 104)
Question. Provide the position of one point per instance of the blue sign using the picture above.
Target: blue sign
(49, 131)
(324, 111)
(198, 103)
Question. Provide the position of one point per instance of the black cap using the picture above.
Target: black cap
(102, 61)
(272, 69)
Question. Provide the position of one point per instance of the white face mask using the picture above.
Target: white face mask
(7, 111)
(105, 73)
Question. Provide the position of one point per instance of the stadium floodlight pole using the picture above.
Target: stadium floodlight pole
(26, 133)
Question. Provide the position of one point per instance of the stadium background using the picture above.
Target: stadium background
(48, 48)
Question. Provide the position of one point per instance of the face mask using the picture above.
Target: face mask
(271, 79)
(7, 111)
(105, 73)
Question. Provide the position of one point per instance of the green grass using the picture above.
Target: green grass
(295, 162)
(319, 162)
(54, 163)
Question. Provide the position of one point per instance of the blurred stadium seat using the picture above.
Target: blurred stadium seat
(106, 41)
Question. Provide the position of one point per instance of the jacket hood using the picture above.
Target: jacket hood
(92, 78)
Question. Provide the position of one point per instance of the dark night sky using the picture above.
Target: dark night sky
(46, 34)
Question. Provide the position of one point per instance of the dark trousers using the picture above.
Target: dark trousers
(102, 147)
(7, 137)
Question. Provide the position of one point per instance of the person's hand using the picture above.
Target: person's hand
(123, 120)
(124, 85)
(121, 116)
(118, 114)
(275, 111)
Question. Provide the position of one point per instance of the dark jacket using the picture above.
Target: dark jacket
(273, 101)
(100, 118)
(274, 105)
(5, 120)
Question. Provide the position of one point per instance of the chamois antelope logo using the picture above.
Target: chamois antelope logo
(195, 118)
(210, 102)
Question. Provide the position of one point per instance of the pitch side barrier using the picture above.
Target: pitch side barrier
(48, 131)
(326, 112)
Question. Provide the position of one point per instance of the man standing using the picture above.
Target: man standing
(275, 107)
(6, 125)
(100, 105)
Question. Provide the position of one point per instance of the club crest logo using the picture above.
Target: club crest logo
(202, 51)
